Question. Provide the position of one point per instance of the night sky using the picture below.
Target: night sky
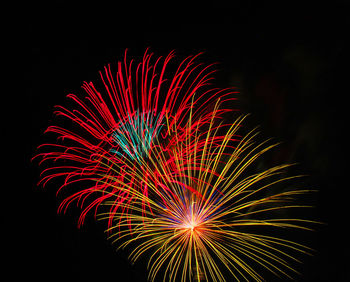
(287, 60)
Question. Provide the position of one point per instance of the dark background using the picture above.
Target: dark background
(289, 62)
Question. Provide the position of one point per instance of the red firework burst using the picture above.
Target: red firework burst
(117, 129)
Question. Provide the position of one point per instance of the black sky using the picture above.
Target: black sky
(289, 62)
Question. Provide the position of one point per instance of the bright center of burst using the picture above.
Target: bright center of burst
(191, 226)
(191, 219)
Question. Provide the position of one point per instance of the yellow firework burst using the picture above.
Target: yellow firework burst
(215, 217)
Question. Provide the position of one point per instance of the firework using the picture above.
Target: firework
(151, 153)
(114, 128)
(213, 219)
